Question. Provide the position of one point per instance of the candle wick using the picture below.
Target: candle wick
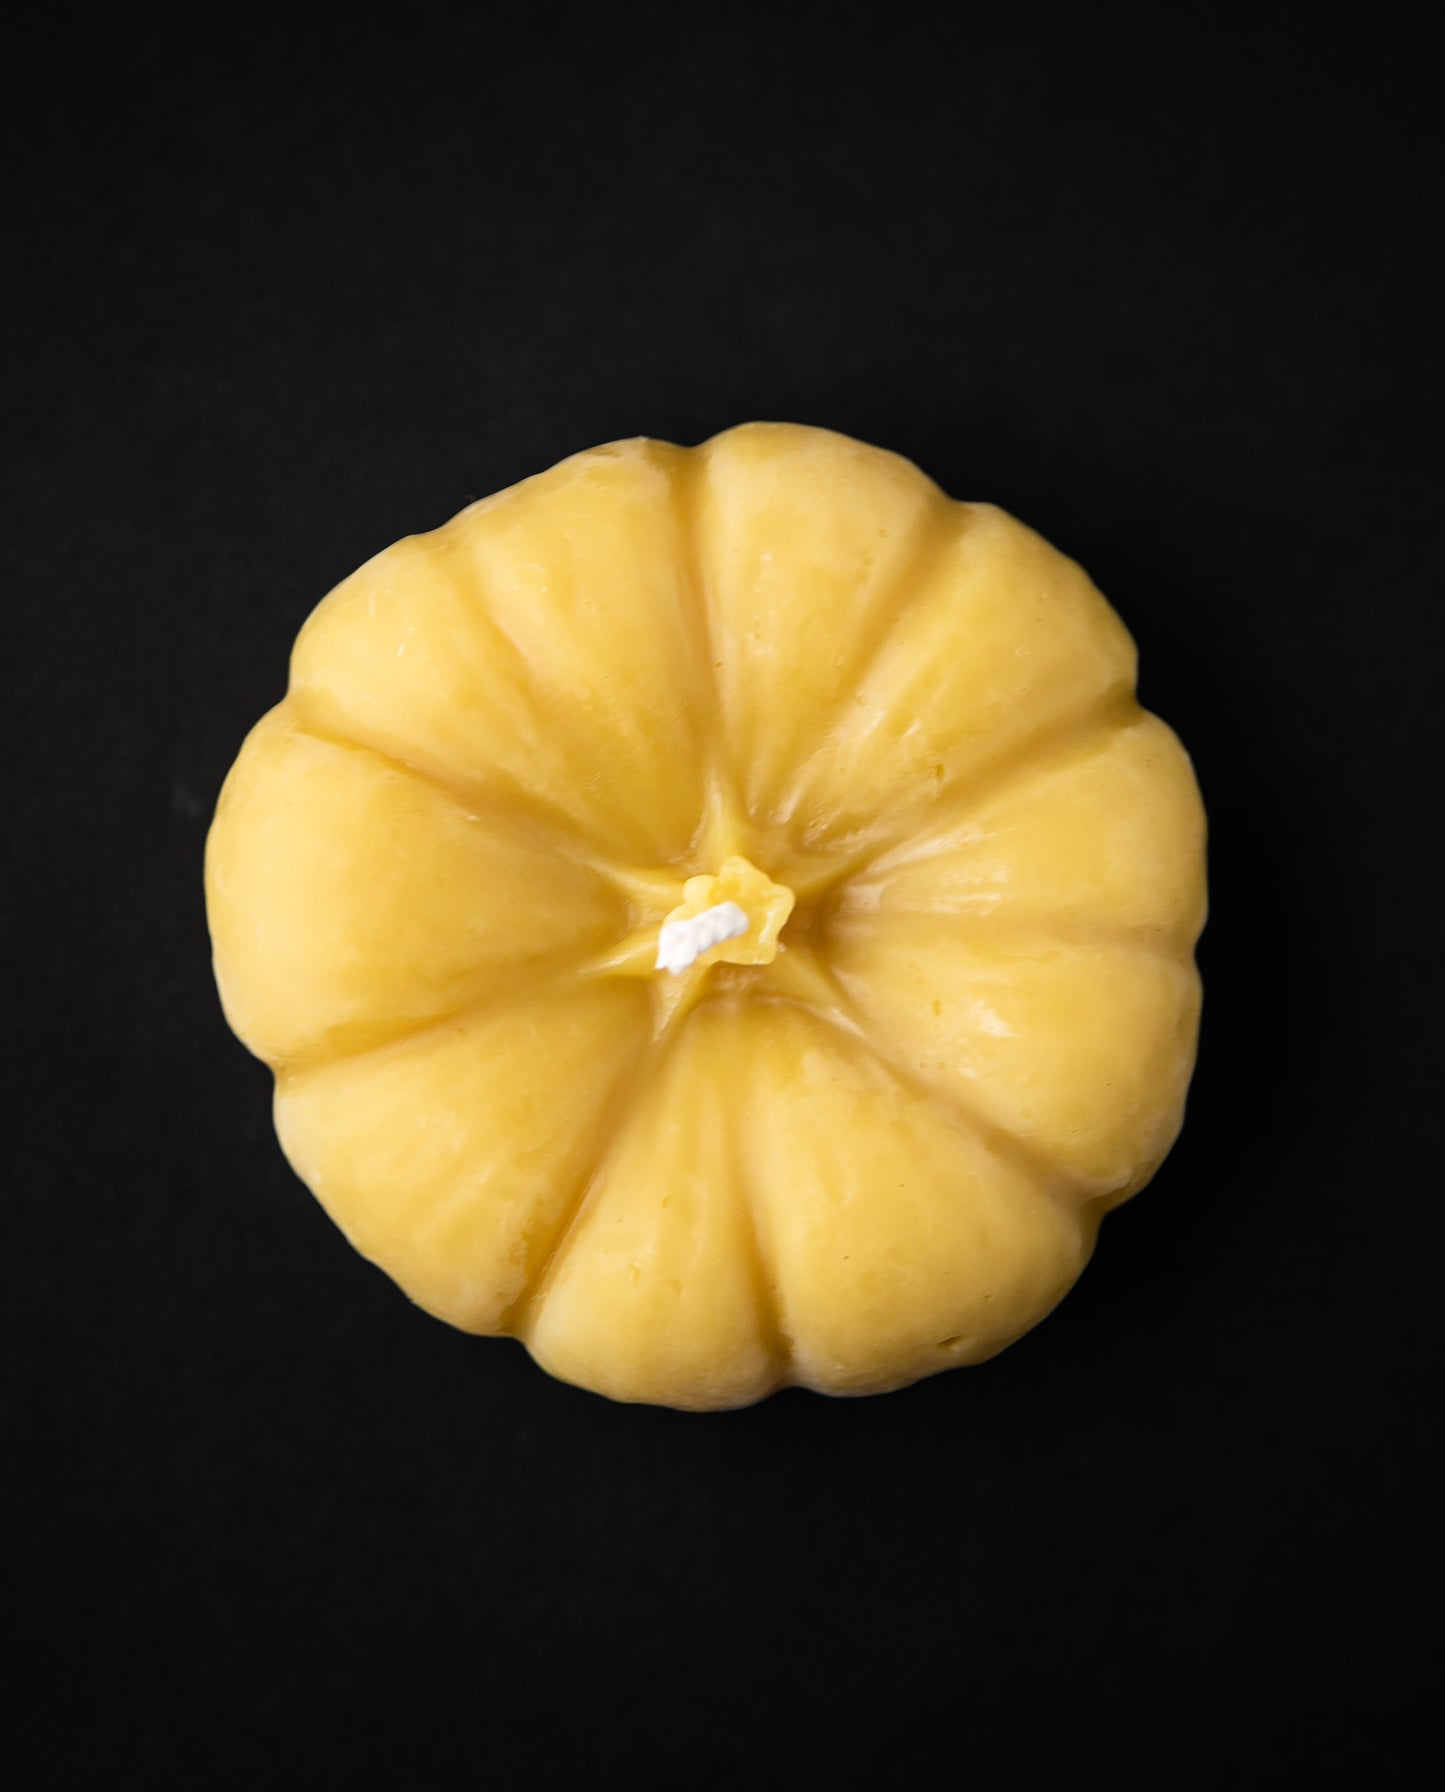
(682, 943)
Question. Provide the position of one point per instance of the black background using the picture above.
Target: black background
(276, 300)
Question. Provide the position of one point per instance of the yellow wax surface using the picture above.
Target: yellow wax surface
(868, 1139)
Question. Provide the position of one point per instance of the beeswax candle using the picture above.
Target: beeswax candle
(719, 916)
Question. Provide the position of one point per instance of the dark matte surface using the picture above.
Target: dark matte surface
(1172, 300)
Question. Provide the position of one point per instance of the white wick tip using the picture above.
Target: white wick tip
(682, 943)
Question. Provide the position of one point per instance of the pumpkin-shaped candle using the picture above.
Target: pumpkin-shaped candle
(719, 916)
